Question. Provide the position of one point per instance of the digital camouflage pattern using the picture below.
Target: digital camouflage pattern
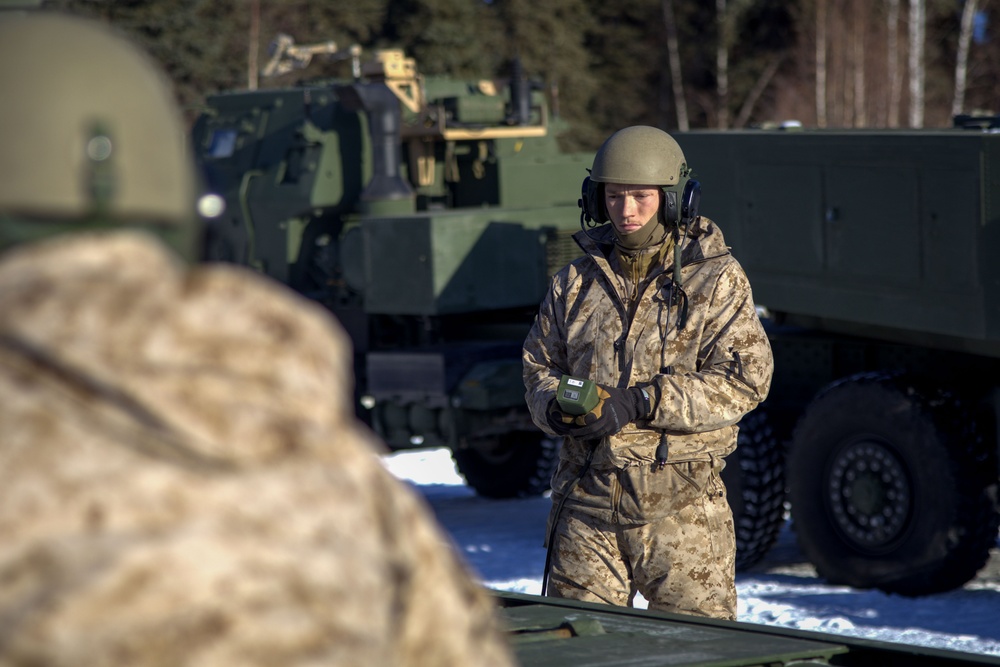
(682, 561)
(703, 377)
(185, 484)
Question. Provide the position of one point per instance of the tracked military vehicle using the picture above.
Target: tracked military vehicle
(874, 254)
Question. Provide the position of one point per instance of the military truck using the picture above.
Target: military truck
(427, 214)
(873, 255)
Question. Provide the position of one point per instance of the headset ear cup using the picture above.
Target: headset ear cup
(597, 197)
(592, 202)
(690, 200)
(587, 211)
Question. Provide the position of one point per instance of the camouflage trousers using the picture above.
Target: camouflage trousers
(681, 561)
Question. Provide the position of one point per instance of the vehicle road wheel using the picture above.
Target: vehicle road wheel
(891, 487)
(513, 465)
(755, 485)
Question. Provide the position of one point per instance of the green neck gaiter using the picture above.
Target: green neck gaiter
(649, 234)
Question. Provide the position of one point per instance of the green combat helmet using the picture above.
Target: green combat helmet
(639, 155)
(92, 137)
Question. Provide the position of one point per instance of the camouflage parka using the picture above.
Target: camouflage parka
(704, 376)
(185, 482)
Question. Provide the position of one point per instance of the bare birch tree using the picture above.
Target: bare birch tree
(895, 81)
(916, 60)
(962, 63)
(758, 89)
(859, 19)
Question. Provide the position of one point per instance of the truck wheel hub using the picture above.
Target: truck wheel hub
(869, 494)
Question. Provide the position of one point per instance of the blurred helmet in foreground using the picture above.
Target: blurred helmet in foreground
(91, 135)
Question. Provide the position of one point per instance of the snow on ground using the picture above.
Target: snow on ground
(502, 542)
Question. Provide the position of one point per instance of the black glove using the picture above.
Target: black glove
(560, 422)
(614, 410)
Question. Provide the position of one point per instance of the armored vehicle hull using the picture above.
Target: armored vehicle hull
(871, 253)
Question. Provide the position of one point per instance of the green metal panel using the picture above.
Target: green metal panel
(532, 179)
(554, 632)
(458, 261)
(554, 635)
(517, 174)
(874, 233)
(863, 238)
(765, 229)
(485, 109)
(989, 233)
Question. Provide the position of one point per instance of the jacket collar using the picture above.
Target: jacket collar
(704, 240)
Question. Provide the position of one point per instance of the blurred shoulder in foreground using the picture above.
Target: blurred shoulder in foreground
(184, 480)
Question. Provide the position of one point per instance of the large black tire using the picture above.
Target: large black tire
(892, 487)
(513, 465)
(755, 485)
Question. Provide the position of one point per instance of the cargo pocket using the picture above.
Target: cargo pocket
(650, 494)
(694, 481)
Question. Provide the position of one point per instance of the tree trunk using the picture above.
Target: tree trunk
(859, 10)
(961, 65)
(758, 89)
(916, 63)
(673, 55)
(821, 63)
(252, 67)
(895, 81)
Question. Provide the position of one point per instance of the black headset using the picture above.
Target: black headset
(594, 212)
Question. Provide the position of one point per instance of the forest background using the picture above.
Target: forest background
(674, 64)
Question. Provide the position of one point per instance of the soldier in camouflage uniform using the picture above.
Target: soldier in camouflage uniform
(183, 479)
(660, 315)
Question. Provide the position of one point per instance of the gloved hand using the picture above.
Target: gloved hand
(614, 410)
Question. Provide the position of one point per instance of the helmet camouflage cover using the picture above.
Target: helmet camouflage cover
(92, 135)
